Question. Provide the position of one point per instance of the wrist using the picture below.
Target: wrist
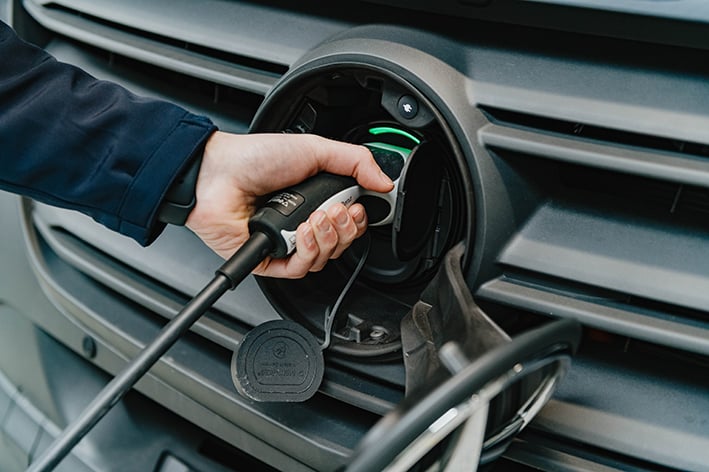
(180, 198)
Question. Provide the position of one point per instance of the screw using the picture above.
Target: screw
(378, 333)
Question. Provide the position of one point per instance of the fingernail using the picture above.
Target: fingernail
(308, 236)
(358, 215)
(341, 216)
(322, 223)
(385, 178)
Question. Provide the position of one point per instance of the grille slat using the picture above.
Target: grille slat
(652, 163)
(203, 63)
(677, 331)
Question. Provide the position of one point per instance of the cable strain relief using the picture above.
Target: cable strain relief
(246, 258)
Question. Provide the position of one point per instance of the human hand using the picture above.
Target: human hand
(238, 169)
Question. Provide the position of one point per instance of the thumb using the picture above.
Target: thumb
(355, 160)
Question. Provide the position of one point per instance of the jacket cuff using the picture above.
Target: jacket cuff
(139, 211)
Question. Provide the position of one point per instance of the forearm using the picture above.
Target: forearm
(77, 142)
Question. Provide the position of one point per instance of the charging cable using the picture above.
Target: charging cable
(332, 313)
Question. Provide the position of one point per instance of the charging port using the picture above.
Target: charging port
(363, 105)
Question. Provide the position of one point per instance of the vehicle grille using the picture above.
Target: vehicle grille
(618, 233)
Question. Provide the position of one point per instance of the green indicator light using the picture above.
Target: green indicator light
(388, 129)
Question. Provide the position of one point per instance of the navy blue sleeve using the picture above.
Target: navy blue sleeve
(73, 141)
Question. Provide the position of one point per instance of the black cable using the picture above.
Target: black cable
(227, 277)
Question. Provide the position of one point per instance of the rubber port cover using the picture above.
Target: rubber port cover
(278, 361)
